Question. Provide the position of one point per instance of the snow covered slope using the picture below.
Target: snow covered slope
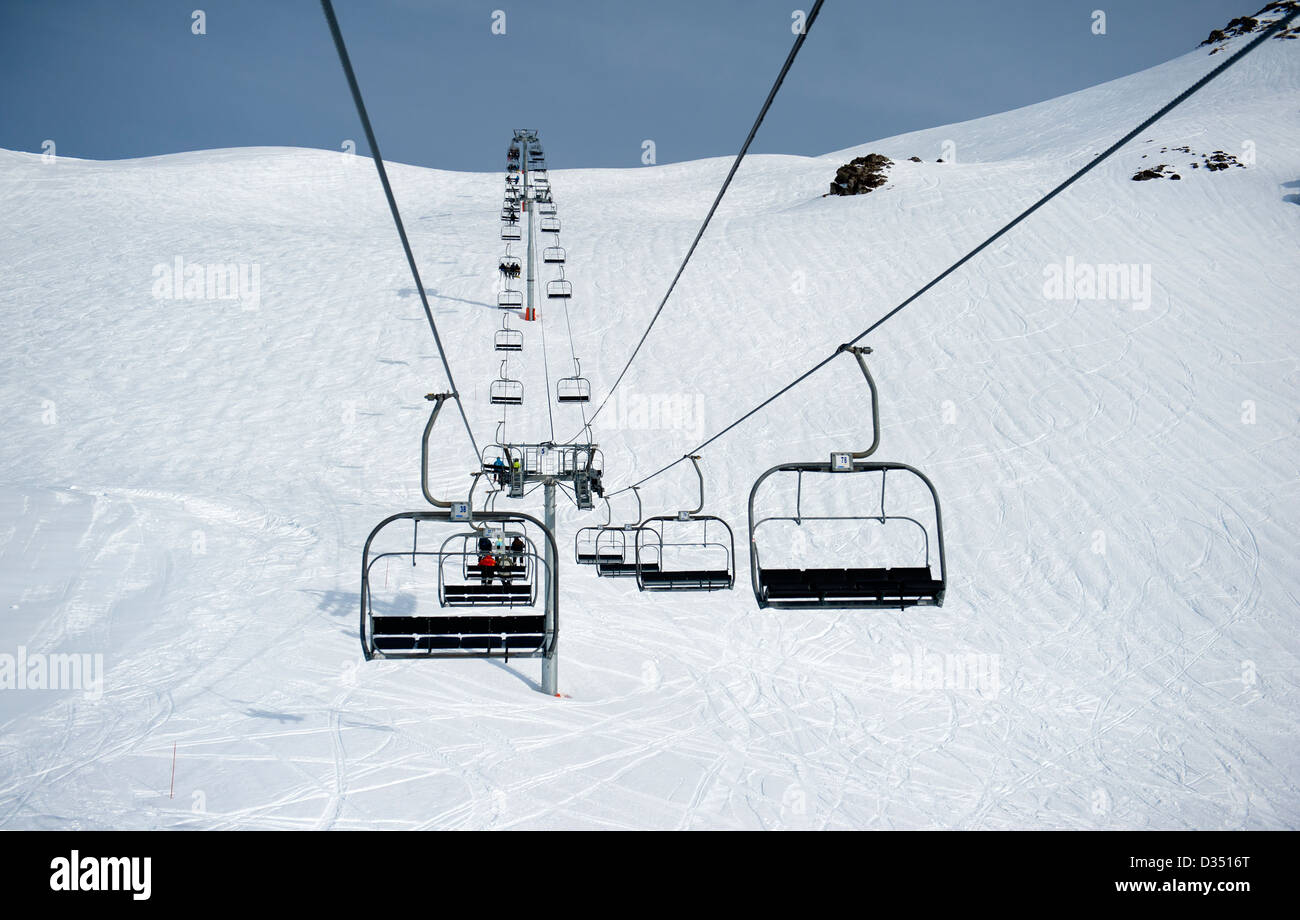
(186, 484)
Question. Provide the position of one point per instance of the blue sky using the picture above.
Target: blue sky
(107, 79)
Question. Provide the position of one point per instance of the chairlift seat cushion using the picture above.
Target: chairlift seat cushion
(861, 584)
(469, 633)
(659, 578)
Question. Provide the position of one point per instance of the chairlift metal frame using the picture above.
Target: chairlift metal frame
(505, 390)
(575, 389)
(649, 555)
(861, 586)
(527, 583)
(506, 338)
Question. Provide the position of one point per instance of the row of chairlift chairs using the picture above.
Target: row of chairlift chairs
(505, 390)
(694, 551)
(492, 610)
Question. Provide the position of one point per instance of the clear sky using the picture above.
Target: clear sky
(107, 79)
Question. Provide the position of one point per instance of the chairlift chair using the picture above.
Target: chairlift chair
(506, 391)
(614, 545)
(502, 604)
(428, 596)
(575, 389)
(509, 299)
(852, 586)
(705, 541)
(550, 225)
(587, 549)
(559, 288)
(545, 207)
(555, 255)
(511, 232)
(508, 339)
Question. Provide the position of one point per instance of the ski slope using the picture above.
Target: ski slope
(186, 484)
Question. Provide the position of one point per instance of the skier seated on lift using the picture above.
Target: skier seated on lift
(502, 477)
(517, 550)
(596, 485)
(487, 564)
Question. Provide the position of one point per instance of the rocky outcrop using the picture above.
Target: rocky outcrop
(861, 175)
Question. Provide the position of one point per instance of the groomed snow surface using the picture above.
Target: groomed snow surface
(186, 485)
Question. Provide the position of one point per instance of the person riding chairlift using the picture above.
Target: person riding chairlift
(487, 564)
(502, 477)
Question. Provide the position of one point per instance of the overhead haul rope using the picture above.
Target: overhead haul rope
(573, 354)
(1182, 97)
(767, 104)
(328, 7)
(541, 319)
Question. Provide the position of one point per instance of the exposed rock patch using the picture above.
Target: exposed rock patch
(1214, 162)
(861, 175)
(1245, 25)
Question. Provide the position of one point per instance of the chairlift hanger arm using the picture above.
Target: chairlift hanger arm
(695, 462)
(437, 399)
(858, 351)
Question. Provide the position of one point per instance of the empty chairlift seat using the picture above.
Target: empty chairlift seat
(509, 340)
(616, 552)
(575, 389)
(693, 552)
(588, 548)
(511, 232)
(819, 587)
(921, 581)
(510, 300)
(550, 225)
(505, 391)
(555, 255)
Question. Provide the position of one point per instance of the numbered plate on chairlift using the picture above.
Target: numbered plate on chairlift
(841, 462)
(460, 511)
